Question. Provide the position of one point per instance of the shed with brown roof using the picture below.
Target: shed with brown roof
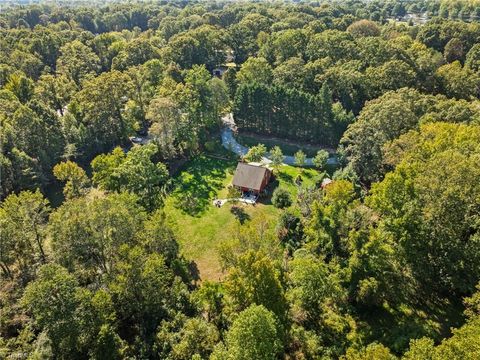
(252, 178)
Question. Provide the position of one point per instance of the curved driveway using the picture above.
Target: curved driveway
(230, 143)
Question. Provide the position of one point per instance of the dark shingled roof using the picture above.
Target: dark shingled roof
(249, 176)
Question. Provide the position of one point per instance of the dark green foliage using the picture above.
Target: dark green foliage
(276, 110)
(281, 198)
(290, 230)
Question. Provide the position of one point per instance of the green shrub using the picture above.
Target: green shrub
(210, 146)
(281, 198)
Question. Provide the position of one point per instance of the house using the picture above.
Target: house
(251, 178)
(220, 70)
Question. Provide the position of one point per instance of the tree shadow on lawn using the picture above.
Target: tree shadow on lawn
(240, 214)
(306, 174)
(198, 183)
(284, 177)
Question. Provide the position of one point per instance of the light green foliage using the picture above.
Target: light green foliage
(32, 142)
(201, 99)
(53, 300)
(391, 75)
(209, 299)
(134, 172)
(87, 233)
(320, 160)
(108, 346)
(77, 61)
(145, 289)
(56, 91)
(196, 47)
(168, 127)
(276, 156)
(371, 352)
(20, 86)
(300, 158)
(311, 285)
(364, 28)
(376, 269)
(255, 70)
(427, 203)
(386, 255)
(103, 167)
(458, 82)
(233, 193)
(195, 338)
(74, 176)
(255, 279)
(318, 302)
(473, 304)
(136, 52)
(291, 72)
(284, 45)
(99, 108)
(463, 344)
(331, 43)
(75, 320)
(23, 218)
(254, 335)
(157, 237)
(382, 119)
(256, 153)
(473, 58)
(376, 126)
(420, 349)
(329, 216)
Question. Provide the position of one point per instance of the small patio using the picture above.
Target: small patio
(246, 198)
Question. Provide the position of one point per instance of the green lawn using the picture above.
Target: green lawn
(200, 226)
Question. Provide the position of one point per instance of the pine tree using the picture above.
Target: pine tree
(323, 130)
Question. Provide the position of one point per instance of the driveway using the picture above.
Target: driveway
(230, 143)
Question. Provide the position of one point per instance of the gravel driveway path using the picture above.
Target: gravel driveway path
(230, 143)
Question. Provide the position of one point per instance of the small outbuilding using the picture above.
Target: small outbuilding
(220, 70)
(251, 178)
(326, 182)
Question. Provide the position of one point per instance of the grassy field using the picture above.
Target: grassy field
(199, 225)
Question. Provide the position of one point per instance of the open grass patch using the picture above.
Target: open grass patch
(199, 182)
(200, 226)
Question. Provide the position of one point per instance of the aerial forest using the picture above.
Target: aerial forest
(366, 246)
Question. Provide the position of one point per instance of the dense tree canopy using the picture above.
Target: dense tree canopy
(366, 248)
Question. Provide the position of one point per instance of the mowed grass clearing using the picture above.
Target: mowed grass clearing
(200, 226)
